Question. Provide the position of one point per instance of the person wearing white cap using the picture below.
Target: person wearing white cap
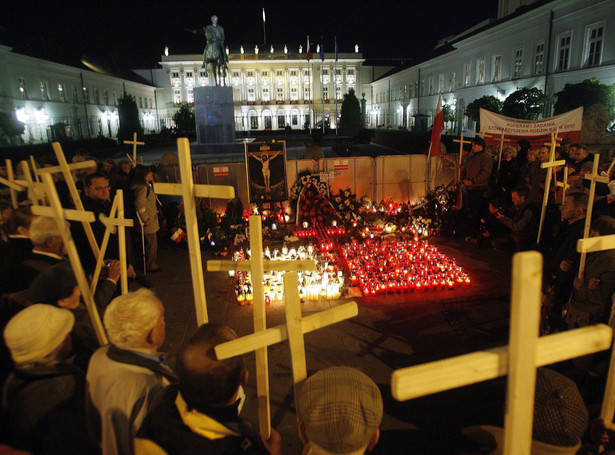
(43, 396)
(124, 377)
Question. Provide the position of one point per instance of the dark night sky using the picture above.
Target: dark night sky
(134, 32)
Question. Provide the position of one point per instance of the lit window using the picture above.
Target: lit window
(251, 94)
(539, 59)
(325, 93)
(497, 68)
(563, 52)
(468, 69)
(44, 91)
(75, 96)
(338, 93)
(281, 120)
(306, 93)
(61, 93)
(141, 102)
(106, 97)
(294, 94)
(114, 99)
(430, 85)
(96, 97)
(452, 88)
(594, 45)
(23, 92)
(266, 94)
(86, 95)
(177, 96)
(518, 64)
(189, 95)
(279, 94)
(481, 71)
(440, 83)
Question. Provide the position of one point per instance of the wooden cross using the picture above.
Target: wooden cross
(257, 266)
(115, 221)
(501, 141)
(549, 165)
(461, 142)
(11, 178)
(36, 190)
(519, 359)
(188, 191)
(34, 169)
(134, 143)
(73, 256)
(593, 177)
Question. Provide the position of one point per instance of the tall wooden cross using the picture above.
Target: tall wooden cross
(188, 191)
(501, 140)
(257, 266)
(564, 185)
(36, 190)
(519, 359)
(549, 165)
(11, 178)
(593, 177)
(114, 222)
(461, 142)
(134, 143)
(58, 213)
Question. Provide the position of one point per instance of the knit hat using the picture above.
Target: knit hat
(341, 409)
(52, 284)
(37, 331)
(560, 415)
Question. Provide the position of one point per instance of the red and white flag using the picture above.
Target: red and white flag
(309, 52)
(438, 127)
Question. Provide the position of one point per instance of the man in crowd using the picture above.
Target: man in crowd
(523, 223)
(124, 377)
(14, 250)
(339, 410)
(48, 246)
(201, 413)
(581, 154)
(475, 177)
(43, 397)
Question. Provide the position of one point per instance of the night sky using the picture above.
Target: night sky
(133, 33)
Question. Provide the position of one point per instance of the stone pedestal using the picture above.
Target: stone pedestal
(214, 115)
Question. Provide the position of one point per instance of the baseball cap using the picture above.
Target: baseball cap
(341, 409)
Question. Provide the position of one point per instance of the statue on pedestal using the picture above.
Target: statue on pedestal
(215, 52)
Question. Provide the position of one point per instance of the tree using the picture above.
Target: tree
(525, 103)
(350, 120)
(489, 102)
(586, 93)
(185, 124)
(10, 126)
(449, 113)
(129, 118)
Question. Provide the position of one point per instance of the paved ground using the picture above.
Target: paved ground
(389, 333)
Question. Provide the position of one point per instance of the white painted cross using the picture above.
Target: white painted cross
(114, 222)
(11, 178)
(58, 213)
(134, 143)
(293, 330)
(519, 359)
(593, 177)
(188, 191)
(257, 266)
(461, 142)
(563, 184)
(549, 165)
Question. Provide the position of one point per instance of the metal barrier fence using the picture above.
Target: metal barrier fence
(398, 177)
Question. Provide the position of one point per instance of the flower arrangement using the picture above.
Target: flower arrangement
(346, 204)
(313, 206)
(303, 180)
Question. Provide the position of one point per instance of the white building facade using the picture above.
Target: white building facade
(546, 45)
(271, 88)
(42, 93)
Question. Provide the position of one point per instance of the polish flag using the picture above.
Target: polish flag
(438, 127)
(309, 53)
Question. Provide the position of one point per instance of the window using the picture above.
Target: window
(188, 74)
(266, 96)
(279, 94)
(61, 93)
(481, 71)
(295, 118)
(497, 68)
(518, 63)
(468, 69)
(539, 59)
(281, 120)
(106, 97)
(279, 73)
(453, 82)
(177, 96)
(141, 102)
(96, 97)
(114, 99)
(594, 45)
(250, 73)
(306, 93)
(86, 95)
(189, 95)
(251, 95)
(294, 94)
(338, 93)
(422, 87)
(325, 92)
(75, 96)
(23, 92)
(563, 52)
(175, 74)
(264, 73)
(440, 83)
(189, 78)
(430, 85)
(44, 90)
(253, 121)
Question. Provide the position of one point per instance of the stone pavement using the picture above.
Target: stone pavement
(389, 332)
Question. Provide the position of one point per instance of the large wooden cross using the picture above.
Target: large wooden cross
(114, 222)
(549, 165)
(188, 191)
(461, 142)
(12, 188)
(134, 143)
(519, 359)
(564, 185)
(58, 213)
(257, 266)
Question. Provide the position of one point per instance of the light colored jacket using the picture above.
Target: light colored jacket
(145, 206)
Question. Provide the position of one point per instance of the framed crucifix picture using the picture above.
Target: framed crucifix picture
(266, 171)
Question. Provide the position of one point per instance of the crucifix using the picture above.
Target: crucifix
(563, 184)
(188, 191)
(134, 142)
(593, 177)
(58, 213)
(461, 142)
(519, 359)
(257, 266)
(501, 140)
(114, 222)
(548, 165)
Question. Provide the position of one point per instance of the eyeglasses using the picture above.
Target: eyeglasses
(100, 188)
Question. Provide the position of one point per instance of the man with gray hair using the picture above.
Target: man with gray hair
(48, 247)
(124, 376)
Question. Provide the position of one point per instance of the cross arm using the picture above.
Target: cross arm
(58, 169)
(553, 163)
(69, 214)
(215, 191)
(593, 244)
(278, 333)
(271, 266)
(12, 184)
(108, 221)
(433, 377)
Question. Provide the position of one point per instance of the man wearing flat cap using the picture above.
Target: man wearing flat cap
(339, 410)
(475, 177)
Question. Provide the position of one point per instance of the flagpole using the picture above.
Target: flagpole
(322, 86)
(264, 28)
(308, 55)
(335, 84)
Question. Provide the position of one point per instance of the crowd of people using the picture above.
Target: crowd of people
(62, 393)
